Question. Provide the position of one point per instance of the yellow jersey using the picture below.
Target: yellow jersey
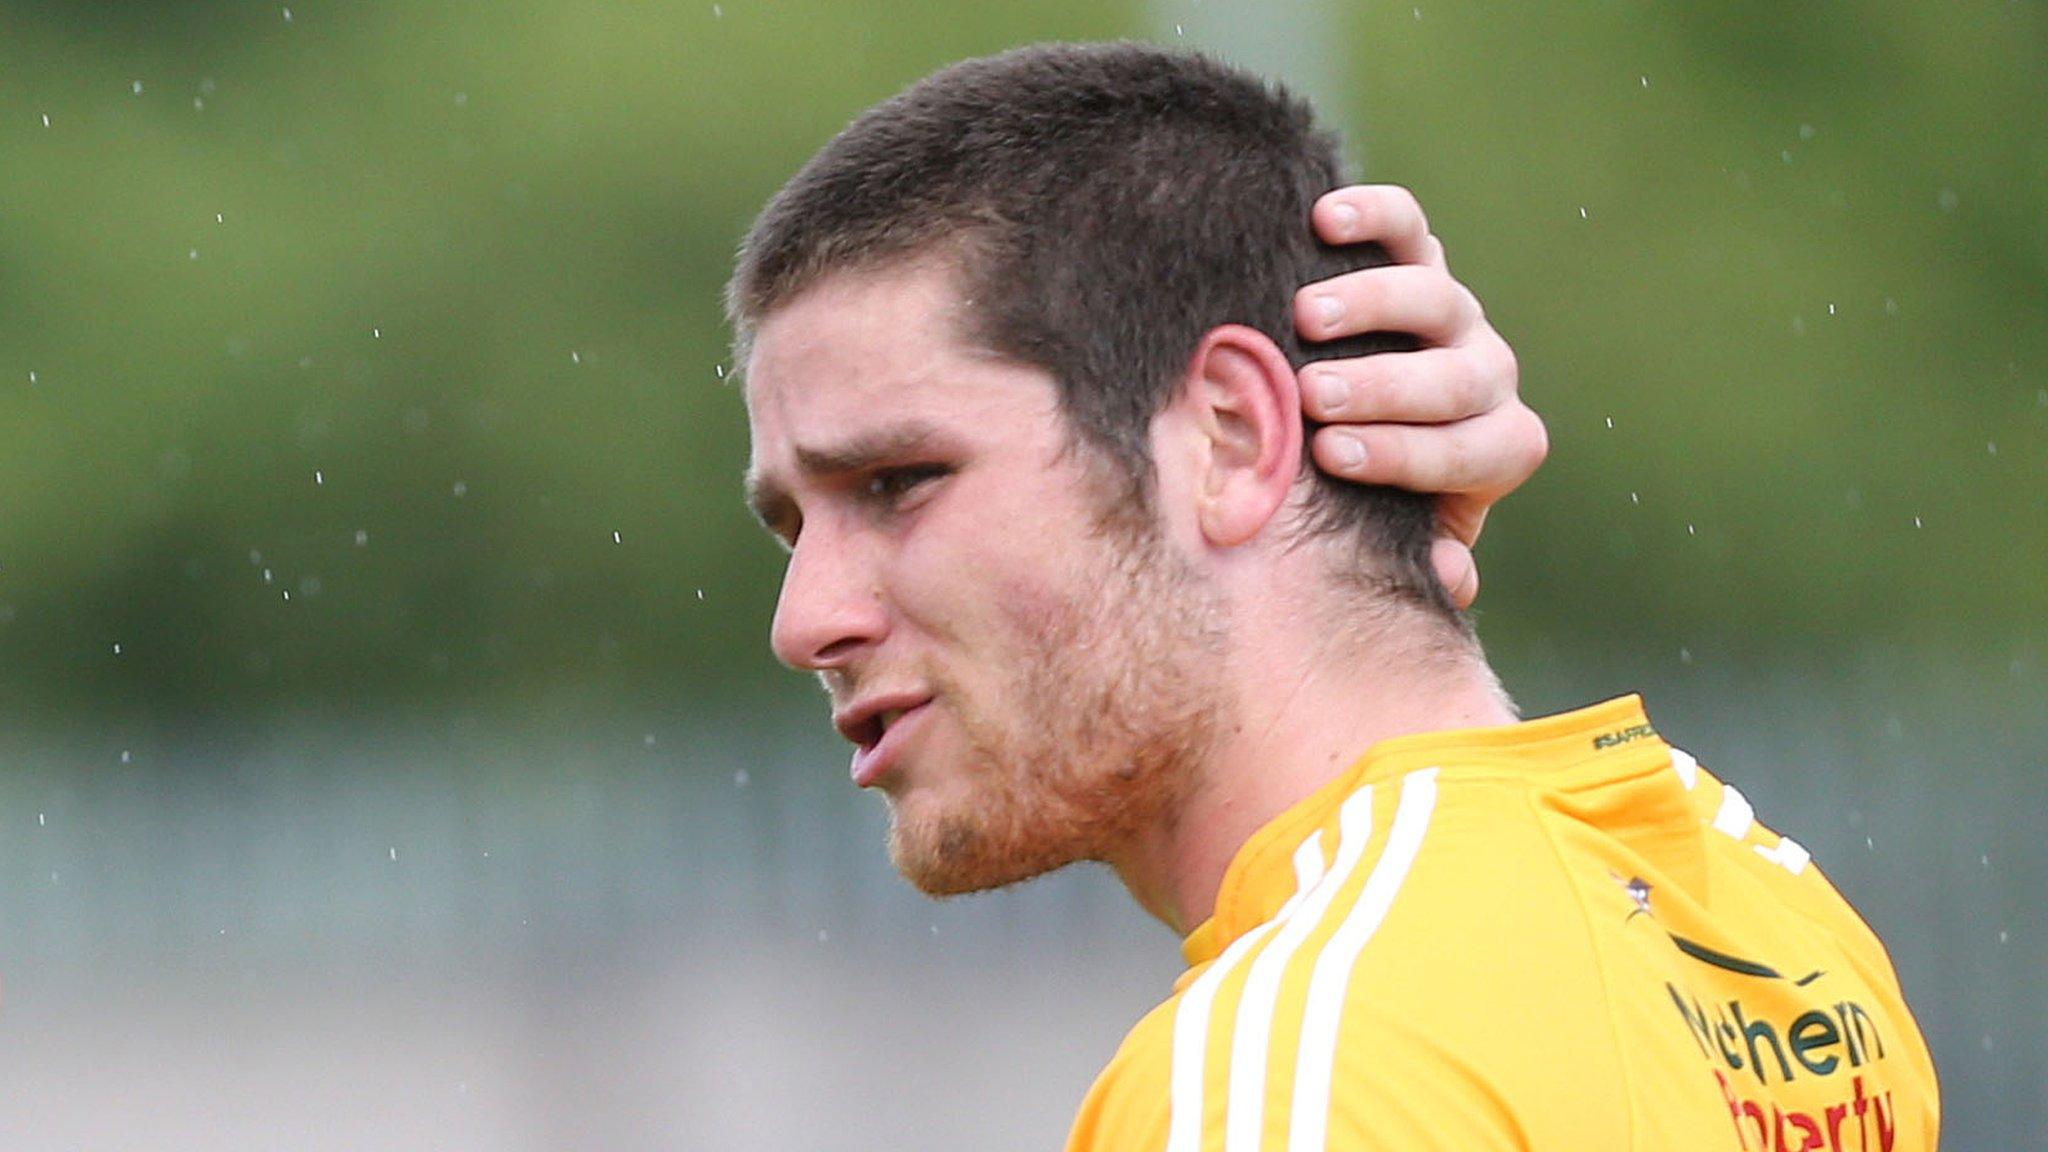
(1561, 934)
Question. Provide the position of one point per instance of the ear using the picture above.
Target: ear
(1243, 409)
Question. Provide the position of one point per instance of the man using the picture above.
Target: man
(1021, 373)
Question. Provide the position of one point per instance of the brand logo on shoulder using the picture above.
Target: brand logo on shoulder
(1621, 736)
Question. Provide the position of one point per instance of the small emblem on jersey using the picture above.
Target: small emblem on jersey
(1639, 892)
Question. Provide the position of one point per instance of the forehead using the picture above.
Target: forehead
(861, 352)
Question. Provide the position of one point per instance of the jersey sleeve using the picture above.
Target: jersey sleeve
(1402, 1014)
(1393, 1087)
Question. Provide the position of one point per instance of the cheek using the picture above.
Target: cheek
(961, 578)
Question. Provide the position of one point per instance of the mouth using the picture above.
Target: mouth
(878, 728)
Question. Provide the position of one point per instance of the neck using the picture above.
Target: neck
(1307, 712)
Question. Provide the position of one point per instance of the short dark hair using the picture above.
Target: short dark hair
(1105, 205)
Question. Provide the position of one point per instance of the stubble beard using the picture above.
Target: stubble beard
(1115, 699)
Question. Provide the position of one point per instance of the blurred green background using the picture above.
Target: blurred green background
(389, 749)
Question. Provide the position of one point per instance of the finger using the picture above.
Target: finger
(1385, 214)
(1422, 301)
(1456, 570)
(1460, 517)
(1433, 386)
(1484, 457)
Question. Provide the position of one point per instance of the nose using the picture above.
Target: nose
(829, 611)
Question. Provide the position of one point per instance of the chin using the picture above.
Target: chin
(950, 855)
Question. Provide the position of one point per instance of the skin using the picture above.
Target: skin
(1078, 681)
(883, 452)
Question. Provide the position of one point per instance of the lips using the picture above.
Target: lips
(878, 727)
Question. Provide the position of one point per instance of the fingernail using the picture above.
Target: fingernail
(1329, 310)
(1345, 217)
(1349, 450)
(1330, 390)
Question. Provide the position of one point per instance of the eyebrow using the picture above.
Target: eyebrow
(772, 503)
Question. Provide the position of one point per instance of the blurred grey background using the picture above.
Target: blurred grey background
(390, 756)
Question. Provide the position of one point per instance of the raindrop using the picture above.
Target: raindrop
(1991, 446)
(1691, 531)
(117, 649)
(1891, 306)
(1417, 11)
(1870, 844)
(220, 217)
(191, 253)
(1610, 421)
(376, 333)
(318, 478)
(266, 576)
(1645, 80)
(42, 820)
(720, 369)
(1988, 1043)
(1799, 326)
(740, 778)
(198, 104)
(1785, 155)
(287, 595)
(287, 15)
(1984, 859)
(125, 757)
(462, 99)
(1177, 31)
(1916, 522)
(575, 357)
(460, 490)
(362, 537)
(823, 936)
(255, 556)
(718, 11)
(46, 119)
(1634, 499)
(615, 538)
(1948, 200)
(394, 855)
(136, 87)
(1806, 131)
(1831, 309)
(1685, 655)
(700, 593)
(32, 379)
(2004, 936)
(1582, 212)
(648, 740)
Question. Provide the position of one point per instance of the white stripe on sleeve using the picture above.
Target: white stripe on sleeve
(1246, 1110)
(1191, 1017)
(1735, 815)
(1330, 981)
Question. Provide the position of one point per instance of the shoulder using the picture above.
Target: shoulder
(1416, 994)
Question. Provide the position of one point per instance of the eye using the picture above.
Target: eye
(890, 486)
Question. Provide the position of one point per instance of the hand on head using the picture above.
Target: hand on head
(1445, 419)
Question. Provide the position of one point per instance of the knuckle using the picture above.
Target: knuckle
(1469, 303)
(1506, 367)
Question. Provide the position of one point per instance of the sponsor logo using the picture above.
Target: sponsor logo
(1860, 1121)
(1820, 1043)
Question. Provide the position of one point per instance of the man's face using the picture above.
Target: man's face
(1029, 677)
